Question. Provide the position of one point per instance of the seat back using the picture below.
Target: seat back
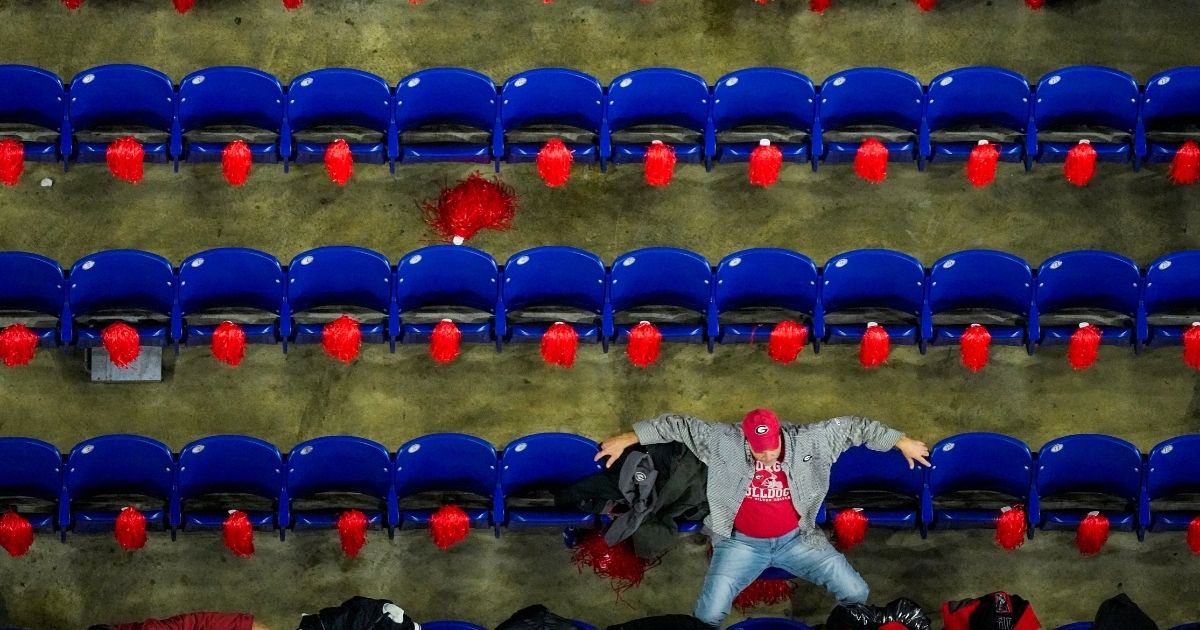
(978, 95)
(230, 277)
(861, 468)
(455, 96)
(769, 623)
(339, 275)
(122, 94)
(1090, 463)
(871, 96)
(31, 468)
(31, 96)
(446, 462)
(981, 278)
(662, 276)
(554, 276)
(664, 96)
(339, 463)
(552, 96)
(121, 279)
(766, 276)
(873, 278)
(981, 461)
(1088, 278)
(339, 96)
(118, 464)
(230, 464)
(230, 95)
(546, 461)
(30, 282)
(1174, 467)
(1172, 97)
(1086, 95)
(764, 96)
(1173, 283)
(447, 275)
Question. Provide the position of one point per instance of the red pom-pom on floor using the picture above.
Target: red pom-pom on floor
(183, 6)
(292, 5)
(559, 344)
(1185, 166)
(819, 6)
(339, 162)
(1080, 167)
(787, 341)
(871, 160)
(342, 339)
(1085, 347)
(16, 534)
(122, 343)
(849, 528)
(1011, 527)
(18, 345)
(659, 164)
(1191, 346)
(352, 530)
(236, 163)
(239, 534)
(927, 5)
(1035, 4)
(471, 205)
(645, 342)
(554, 163)
(762, 592)
(12, 161)
(130, 529)
(619, 563)
(445, 343)
(1193, 535)
(875, 346)
(448, 526)
(72, 4)
(125, 156)
(1092, 534)
(981, 164)
(973, 347)
(229, 343)
(765, 163)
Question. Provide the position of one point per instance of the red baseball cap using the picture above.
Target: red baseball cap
(761, 428)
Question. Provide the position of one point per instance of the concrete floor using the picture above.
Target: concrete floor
(391, 398)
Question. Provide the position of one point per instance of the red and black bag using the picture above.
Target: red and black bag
(994, 611)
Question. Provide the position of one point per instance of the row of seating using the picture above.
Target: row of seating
(748, 292)
(309, 487)
(455, 114)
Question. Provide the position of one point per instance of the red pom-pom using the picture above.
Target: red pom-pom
(927, 5)
(644, 343)
(1185, 166)
(1080, 166)
(229, 343)
(871, 160)
(130, 529)
(659, 164)
(765, 163)
(239, 534)
(1085, 347)
(1191, 346)
(819, 6)
(554, 163)
(12, 161)
(473, 204)
(1035, 4)
(981, 164)
(875, 346)
(352, 529)
(973, 346)
(16, 534)
(762, 592)
(1011, 527)
(1092, 534)
(72, 4)
(339, 162)
(1193, 535)
(292, 5)
(236, 163)
(125, 156)
(849, 528)
(122, 343)
(619, 564)
(18, 344)
(559, 343)
(445, 342)
(787, 340)
(342, 338)
(183, 6)
(448, 526)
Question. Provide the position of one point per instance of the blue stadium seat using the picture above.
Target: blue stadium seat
(1078, 625)
(867, 285)
(1084, 102)
(447, 281)
(669, 287)
(1088, 468)
(539, 279)
(446, 115)
(1170, 298)
(33, 109)
(862, 103)
(331, 103)
(879, 482)
(31, 292)
(976, 103)
(1188, 626)
(131, 469)
(539, 463)
(127, 285)
(327, 282)
(241, 285)
(756, 289)
(756, 103)
(446, 463)
(544, 103)
(975, 463)
(769, 623)
(31, 469)
(448, 624)
(1098, 287)
(1173, 469)
(1170, 113)
(108, 102)
(656, 104)
(225, 103)
(979, 286)
(336, 466)
(247, 469)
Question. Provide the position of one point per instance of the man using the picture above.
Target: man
(766, 481)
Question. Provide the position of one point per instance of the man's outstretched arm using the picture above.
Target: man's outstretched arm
(694, 433)
(849, 431)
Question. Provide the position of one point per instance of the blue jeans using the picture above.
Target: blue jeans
(738, 560)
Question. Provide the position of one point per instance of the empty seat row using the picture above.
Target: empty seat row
(689, 301)
(456, 114)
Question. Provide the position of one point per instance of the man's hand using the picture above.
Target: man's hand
(914, 451)
(614, 446)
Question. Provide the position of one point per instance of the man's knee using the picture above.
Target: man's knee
(854, 591)
(716, 598)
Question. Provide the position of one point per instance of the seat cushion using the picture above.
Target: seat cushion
(325, 134)
(446, 134)
(645, 134)
(751, 134)
(858, 133)
(540, 134)
(224, 134)
(107, 134)
(974, 133)
(1072, 134)
(28, 133)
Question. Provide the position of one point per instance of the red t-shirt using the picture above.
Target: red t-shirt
(767, 510)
